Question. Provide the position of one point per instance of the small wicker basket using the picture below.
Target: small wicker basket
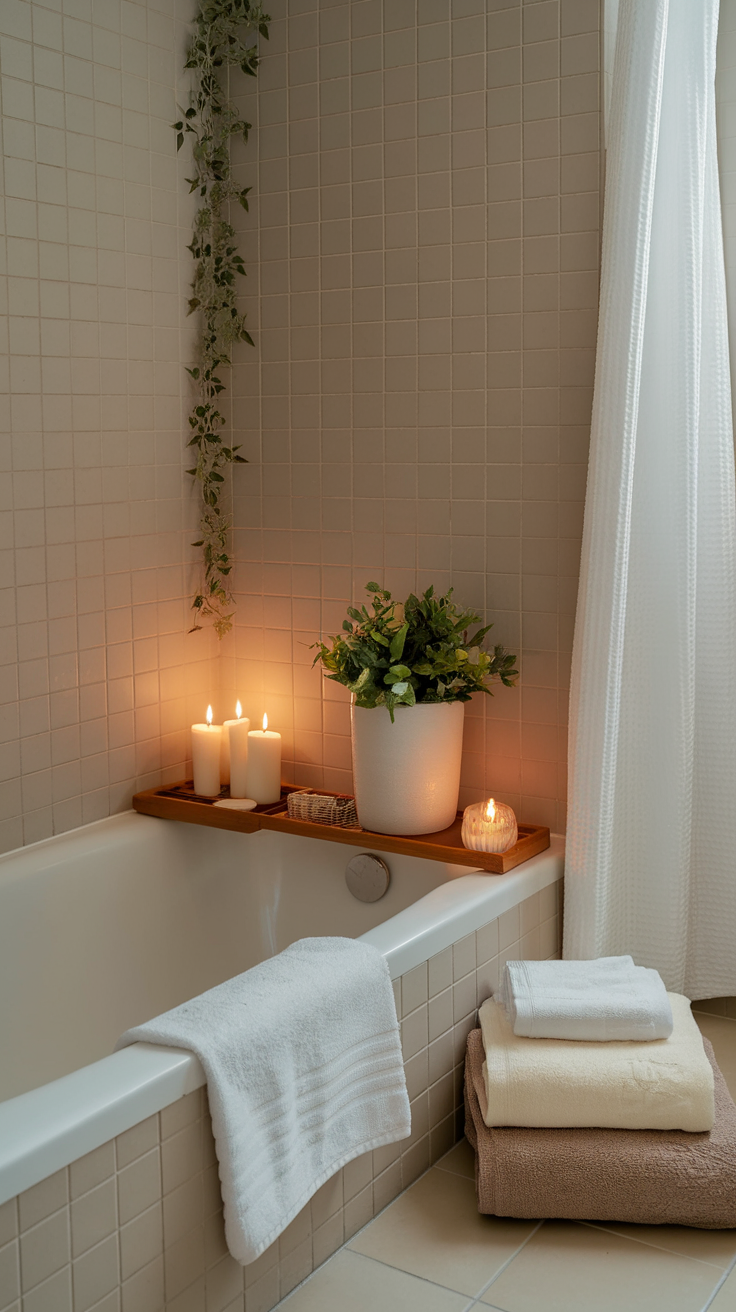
(323, 809)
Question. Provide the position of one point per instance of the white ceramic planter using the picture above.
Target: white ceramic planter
(407, 774)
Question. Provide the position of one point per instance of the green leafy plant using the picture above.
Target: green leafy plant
(222, 32)
(418, 652)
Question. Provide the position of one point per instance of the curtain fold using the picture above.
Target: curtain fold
(651, 849)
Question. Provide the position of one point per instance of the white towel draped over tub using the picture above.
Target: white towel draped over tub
(304, 1072)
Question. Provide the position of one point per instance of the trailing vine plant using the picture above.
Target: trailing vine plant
(222, 30)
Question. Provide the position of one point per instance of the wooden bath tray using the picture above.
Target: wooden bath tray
(180, 802)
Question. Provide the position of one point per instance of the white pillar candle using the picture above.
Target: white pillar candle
(206, 740)
(263, 774)
(236, 735)
(225, 748)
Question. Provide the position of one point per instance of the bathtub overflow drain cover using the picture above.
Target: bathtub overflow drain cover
(367, 877)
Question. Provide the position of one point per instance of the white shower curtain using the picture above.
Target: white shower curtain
(651, 864)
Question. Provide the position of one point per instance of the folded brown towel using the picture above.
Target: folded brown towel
(652, 1177)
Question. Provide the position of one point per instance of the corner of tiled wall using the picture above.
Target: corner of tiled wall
(425, 224)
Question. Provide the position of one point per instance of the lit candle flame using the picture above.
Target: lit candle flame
(208, 717)
(238, 709)
(491, 810)
(265, 722)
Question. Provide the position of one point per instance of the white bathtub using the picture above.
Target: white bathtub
(113, 923)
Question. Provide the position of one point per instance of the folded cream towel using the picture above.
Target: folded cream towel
(663, 1085)
(304, 1072)
(610, 998)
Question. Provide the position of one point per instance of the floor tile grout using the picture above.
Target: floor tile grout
(508, 1261)
(447, 1171)
(345, 1246)
(720, 1285)
(435, 1283)
(425, 1279)
(608, 1229)
(473, 1298)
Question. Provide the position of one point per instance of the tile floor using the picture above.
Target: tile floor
(430, 1251)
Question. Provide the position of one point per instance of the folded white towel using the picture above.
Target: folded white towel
(610, 998)
(304, 1073)
(663, 1085)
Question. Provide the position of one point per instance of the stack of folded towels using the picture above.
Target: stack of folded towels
(590, 1094)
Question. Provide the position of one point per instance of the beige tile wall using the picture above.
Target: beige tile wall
(97, 676)
(136, 1226)
(423, 256)
(423, 272)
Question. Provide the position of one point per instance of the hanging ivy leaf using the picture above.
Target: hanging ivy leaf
(224, 32)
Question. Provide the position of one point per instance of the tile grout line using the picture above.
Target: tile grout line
(607, 1229)
(345, 1247)
(425, 1280)
(507, 1263)
(447, 1171)
(720, 1285)
(389, 1267)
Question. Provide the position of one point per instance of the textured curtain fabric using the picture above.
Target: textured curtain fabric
(651, 864)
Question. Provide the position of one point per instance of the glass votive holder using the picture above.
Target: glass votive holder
(489, 827)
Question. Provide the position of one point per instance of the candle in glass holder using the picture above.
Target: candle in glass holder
(235, 734)
(206, 746)
(489, 827)
(263, 773)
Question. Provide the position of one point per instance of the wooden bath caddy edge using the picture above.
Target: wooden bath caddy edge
(180, 802)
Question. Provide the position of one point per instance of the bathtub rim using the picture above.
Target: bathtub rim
(53, 1125)
(450, 911)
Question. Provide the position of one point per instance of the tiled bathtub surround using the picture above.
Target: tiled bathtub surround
(98, 677)
(136, 1226)
(425, 230)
